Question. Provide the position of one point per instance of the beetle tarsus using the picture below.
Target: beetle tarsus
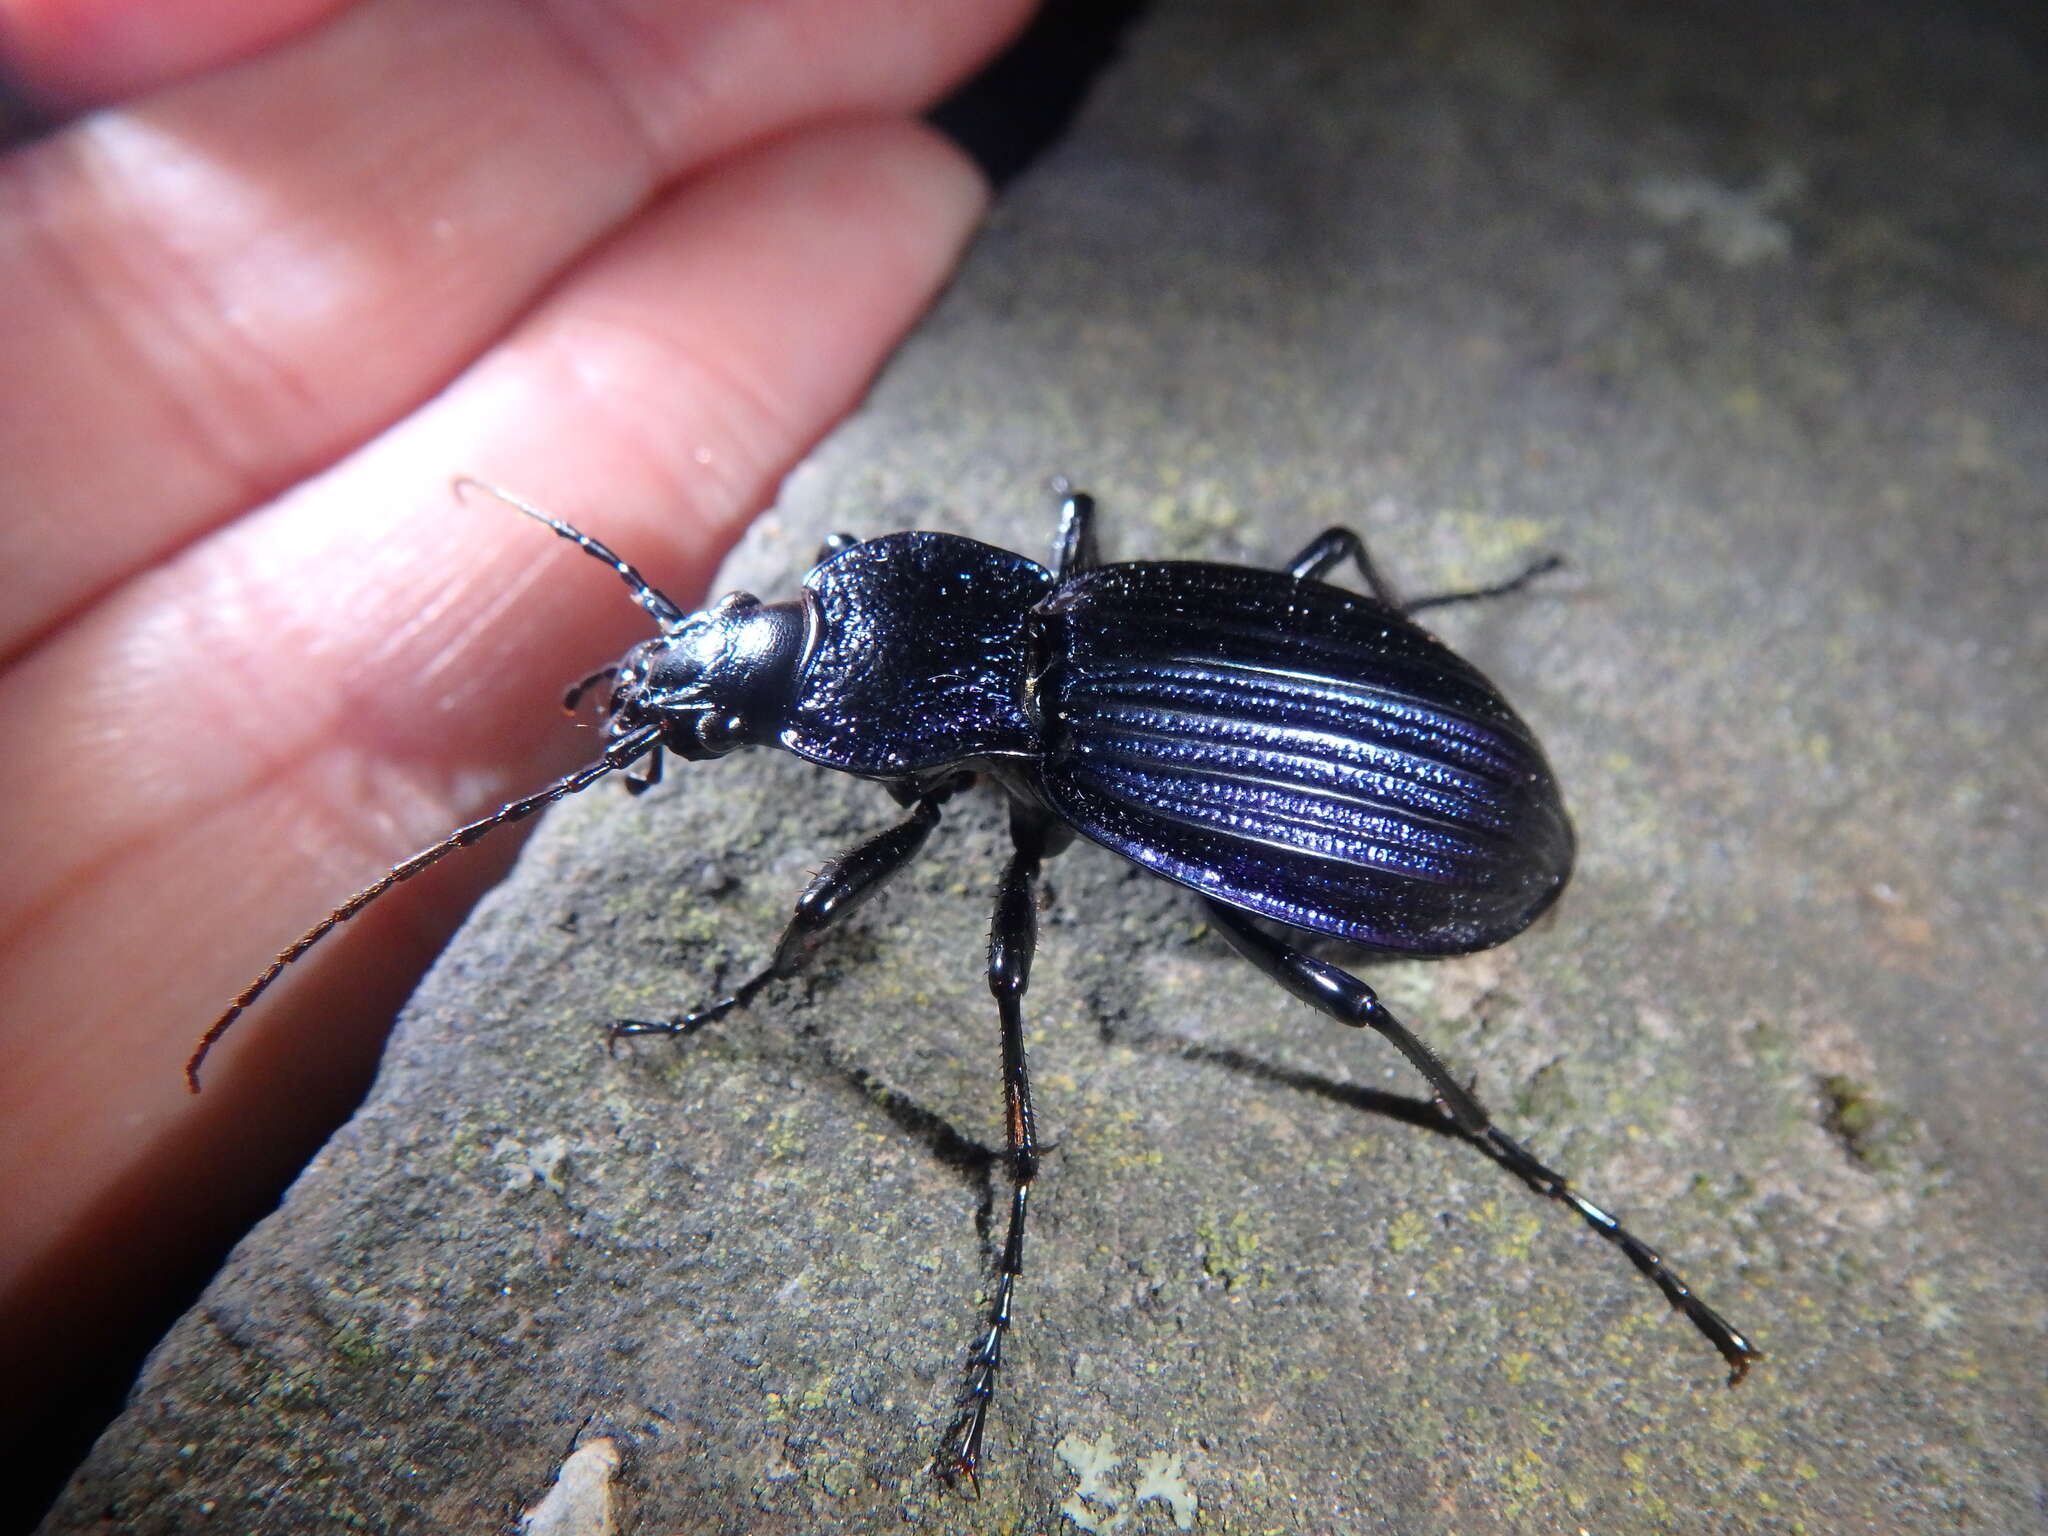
(1520, 1161)
(1541, 566)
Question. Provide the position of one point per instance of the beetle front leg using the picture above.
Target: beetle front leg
(1343, 997)
(836, 891)
(1013, 937)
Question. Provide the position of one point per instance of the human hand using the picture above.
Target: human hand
(254, 316)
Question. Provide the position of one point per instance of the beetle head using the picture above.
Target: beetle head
(711, 681)
(718, 680)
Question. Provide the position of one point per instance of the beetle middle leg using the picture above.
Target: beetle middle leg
(1333, 546)
(1343, 997)
(836, 891)
(1013, 937)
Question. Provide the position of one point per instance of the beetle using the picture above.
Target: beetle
(1308, 760)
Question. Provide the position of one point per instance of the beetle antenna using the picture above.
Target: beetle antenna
(667, 612)
(620, 754)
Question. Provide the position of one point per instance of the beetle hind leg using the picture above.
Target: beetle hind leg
(1343, 997)
(1330, 549)
(1333, 546)
(1540, 566)
(836, 891)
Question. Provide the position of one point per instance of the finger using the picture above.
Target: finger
(318, 689)
(73, 53)
(214, 292)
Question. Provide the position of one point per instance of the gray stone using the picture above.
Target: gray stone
(1742, 314)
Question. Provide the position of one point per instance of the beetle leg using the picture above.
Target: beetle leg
(574, 696)
(1073, 546)
(1514, 583)
(834, 892)
(1333, 546)
(641, 782)
(1330, 549)
(1013, 936)
(1348, 1000)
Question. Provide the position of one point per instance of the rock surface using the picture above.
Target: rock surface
(1748, 322)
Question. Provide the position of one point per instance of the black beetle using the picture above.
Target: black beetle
(1306, 759)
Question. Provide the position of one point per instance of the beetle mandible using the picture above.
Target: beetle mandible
(1308, 760)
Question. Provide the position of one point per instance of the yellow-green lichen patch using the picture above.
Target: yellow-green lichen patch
(1874, 1133)
(1229, 1249)
(1406, 1230)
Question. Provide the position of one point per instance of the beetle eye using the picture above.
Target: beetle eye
(721, 733)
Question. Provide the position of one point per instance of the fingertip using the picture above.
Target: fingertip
(942, 179)
(911, 196)
(941, 169)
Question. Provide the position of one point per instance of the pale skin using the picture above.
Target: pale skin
(284, 271)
